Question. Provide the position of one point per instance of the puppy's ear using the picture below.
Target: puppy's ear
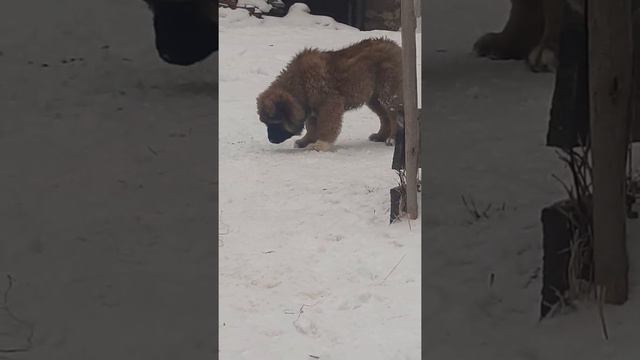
(290, 107)
(264, 107)
(278, 105)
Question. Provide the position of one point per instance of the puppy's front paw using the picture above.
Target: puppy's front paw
(300, 144)
(320, 146)
(376, 137)
(495, 46)
(390, 142)
(542, 59)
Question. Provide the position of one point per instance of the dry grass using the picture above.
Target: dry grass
(581, 263)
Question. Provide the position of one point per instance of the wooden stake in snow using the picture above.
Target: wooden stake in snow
(410, 99)
(610, 64)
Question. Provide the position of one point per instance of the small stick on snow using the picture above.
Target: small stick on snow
(300, 312)
(155, 153)
(392, 269)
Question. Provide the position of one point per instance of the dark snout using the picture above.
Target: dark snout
(184, 34)
(277, 133)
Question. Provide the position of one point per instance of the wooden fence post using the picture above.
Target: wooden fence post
(410, 99)
(610, 64)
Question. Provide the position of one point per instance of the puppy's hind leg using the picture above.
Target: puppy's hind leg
(385, 121)
(396, 120)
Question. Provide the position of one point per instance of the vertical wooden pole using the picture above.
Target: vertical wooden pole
(610, 64)
(410, 99)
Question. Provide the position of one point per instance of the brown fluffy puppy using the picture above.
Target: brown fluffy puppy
(317, 87)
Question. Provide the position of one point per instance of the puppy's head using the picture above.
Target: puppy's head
(186, 31)
(282, 114)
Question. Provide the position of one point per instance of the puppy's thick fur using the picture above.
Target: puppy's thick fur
(317, 87)
(186, 31)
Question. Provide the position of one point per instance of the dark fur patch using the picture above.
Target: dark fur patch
(277, 133)
(185, 32)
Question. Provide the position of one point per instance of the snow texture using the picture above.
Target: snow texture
(298, 16)
(304, 242)
(262, 5)
(309, 265)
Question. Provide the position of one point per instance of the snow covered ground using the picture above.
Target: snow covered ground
(485, 129)
(305, 245)
(309, 265)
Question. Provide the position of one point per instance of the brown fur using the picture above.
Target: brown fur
(532, 33)
(317, 87)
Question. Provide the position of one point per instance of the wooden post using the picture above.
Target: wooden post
(410, 99)
(610, 56)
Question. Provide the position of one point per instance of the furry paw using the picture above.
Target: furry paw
(300, 144)
(494, 46)
(390, 142)
(319, 146)
(376, 137)
(542, 59)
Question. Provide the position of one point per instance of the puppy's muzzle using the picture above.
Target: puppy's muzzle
(277, 133)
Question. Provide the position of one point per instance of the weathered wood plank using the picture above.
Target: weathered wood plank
(410, 99)
(610, 74)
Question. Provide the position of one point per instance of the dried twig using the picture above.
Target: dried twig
(155, 153)
(399, 208)
(566, 187)
(579, 271)
(301, 311)
(477, 214)
(393, 269)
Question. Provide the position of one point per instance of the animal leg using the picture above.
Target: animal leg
(543, 58)
(310, 136)
(328, 125)
(520, 34)
(385, 122)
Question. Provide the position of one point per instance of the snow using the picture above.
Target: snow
(485, 128)
(260, 4)
(298, 16)
(109, 243)
(309, 264)
(305, 245)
